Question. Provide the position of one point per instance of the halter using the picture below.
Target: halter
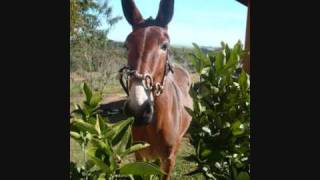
(147, 80)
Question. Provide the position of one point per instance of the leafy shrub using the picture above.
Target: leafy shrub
(105, 145)
(221, 117)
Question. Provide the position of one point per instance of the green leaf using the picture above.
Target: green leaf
(136, 147)
(201, 107)
(237, 48)
(200, 54)
(102, 123)
(205, 153)
(203, 60)
(243, 80)
(205, 70)
(95, 99)
(104, 146)
(141, 169)
(89, 164)
(83, 126)
(91, 150)
(237, 128)
(227, 51)
(223, 44)
(99, 163)
(87, 91)
(232, 61)
(219, 62)
(78, 111)
(204, 91)
(125, 139)
(117, 130)
(102, 176)
(215, 155)
(76, 136)
(196, 63)
(214, 89)
(97, 126)
(243, 176)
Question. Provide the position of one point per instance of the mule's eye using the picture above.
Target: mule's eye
(165, 46)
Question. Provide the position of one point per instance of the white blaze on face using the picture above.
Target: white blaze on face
(138, 94)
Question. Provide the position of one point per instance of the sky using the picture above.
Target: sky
(205, 22)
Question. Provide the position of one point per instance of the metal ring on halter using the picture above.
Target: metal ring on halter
(147, 82)
(158, 89)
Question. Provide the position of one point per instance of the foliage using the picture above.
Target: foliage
(104, 144)
(74, 17)
(221, 117)
(86, 17)
(92, 55)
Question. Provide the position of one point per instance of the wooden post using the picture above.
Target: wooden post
(246, 60)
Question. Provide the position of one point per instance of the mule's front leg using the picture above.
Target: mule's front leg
(167, 164)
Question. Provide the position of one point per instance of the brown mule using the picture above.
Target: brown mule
(157, 91)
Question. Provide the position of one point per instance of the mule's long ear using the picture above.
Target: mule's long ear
(165, 12)
(131, 12)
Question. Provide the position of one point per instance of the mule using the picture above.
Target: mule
(157, 90)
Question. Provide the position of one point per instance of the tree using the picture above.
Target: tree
(86, 17)
(88, 40)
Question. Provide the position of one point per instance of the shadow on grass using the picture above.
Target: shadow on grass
(113, 110)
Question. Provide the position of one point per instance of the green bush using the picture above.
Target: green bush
(220, 129)
(105, 145)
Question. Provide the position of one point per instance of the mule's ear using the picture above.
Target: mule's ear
(131, 12)
(165, 12)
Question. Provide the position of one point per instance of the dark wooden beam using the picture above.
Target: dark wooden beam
(244, 2)
(246, 59)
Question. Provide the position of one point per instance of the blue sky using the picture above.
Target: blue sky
(205, 22)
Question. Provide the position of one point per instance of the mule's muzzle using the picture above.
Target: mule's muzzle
(143, 115)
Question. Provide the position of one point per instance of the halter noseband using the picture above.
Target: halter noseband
(147, 80)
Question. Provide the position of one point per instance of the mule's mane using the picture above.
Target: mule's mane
(149, 22)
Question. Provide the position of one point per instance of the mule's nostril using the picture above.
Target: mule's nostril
(148, 108)
(144, 114)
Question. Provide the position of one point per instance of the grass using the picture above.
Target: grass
(76, 154)
(183, 166)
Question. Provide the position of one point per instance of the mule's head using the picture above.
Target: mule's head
(148, 53)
